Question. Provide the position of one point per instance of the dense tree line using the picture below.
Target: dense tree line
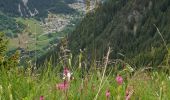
(10, 26)
(128, 27)
(6, 61)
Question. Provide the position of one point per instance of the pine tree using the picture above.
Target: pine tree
(3, 46)
(7, 62)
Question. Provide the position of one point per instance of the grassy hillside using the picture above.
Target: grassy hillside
(21, 84)
(33, 26)
(128, 27)
(91, 70)
(101, 82)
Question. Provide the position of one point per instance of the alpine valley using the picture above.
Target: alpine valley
(35, 26)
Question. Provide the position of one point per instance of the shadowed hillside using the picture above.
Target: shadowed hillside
(40, 8)
(128, 27)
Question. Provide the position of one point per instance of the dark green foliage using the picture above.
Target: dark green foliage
(7, 62)
(10, 24)
(3, 45)
(128, 27)
(10, 7)
(54, 6)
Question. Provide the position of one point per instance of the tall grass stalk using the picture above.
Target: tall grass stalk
(105, 67)
(168, 55)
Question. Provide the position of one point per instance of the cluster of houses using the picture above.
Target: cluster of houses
(55, 23)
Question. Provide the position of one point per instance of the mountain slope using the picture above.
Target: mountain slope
(40, 8)
(128, 27)
(9, 25)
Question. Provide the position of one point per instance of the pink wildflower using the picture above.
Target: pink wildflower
(66, 71)
(67, 74)
(119, 80)
(128, 94)
(107, 94)
(62, 86)
(41, 97)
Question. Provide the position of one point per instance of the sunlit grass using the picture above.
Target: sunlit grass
(23, 85)
(33, 26)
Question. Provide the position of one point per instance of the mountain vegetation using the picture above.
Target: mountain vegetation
(28, 21)
(119, 51)
(10, 26)
(115, 81)
(128, 26)
(25, 7)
